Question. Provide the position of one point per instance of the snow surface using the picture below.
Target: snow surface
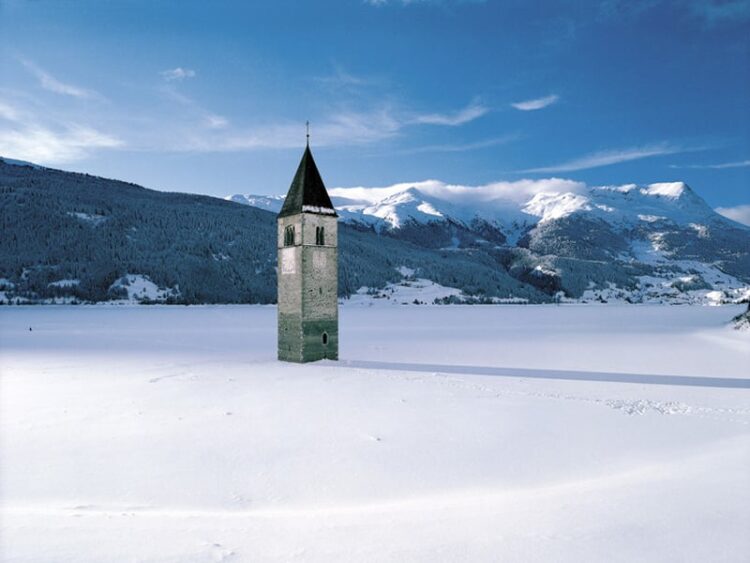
(556, 206)
(477, 433)
(65, 283)
(666, 189)
(140, 288)
(412, 291)
(318, 209)
(91, 218)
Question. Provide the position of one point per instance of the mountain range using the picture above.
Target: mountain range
(72, 238)
(657, 242)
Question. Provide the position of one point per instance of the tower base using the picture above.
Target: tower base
(307, 341)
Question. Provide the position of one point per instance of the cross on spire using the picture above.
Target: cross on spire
(307, 127)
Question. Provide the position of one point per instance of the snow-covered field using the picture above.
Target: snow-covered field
(484, 433)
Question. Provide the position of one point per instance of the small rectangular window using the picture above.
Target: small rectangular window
(320, 239)
(289, 236)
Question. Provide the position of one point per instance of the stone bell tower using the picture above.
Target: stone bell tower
(308, 269)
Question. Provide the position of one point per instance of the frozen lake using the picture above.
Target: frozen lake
(450, 433)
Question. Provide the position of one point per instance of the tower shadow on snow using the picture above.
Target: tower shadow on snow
(569, 375)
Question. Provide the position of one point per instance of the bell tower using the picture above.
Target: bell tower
(307, 231)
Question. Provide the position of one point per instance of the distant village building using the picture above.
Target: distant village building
(308, 269)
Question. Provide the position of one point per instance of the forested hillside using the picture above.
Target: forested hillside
(71, 237)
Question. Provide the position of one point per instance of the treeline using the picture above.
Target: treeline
(64, 226)
(90, 231)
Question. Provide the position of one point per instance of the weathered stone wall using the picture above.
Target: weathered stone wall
(289, 275)
(329, 222)
(320, 289)
(291, 339)
(308, 290)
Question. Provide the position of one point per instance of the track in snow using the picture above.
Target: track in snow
(609, 377)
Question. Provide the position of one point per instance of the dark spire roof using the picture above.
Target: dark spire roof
(307, 193)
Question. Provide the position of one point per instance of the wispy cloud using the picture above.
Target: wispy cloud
(178, 73)
(710, 11)
(538, 103)
(462, 147)
(738, 164)
(739, 213)
(206, 118)
(360, 127)
(471, 112)
(45, 146)
(340, 77)
(214, 121)
(609, 157)
(413, 2)
(52, 84)
(631, 10)
(24, 138)
(8, 112)
(343, 128)
(720, 11)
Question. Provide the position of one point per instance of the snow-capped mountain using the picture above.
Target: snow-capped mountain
(269, 203)
(508, 205)
(658, 241)
(71, 237)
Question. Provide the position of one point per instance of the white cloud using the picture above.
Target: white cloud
(52, 84)
(738, 164)
(520, 190)
(538, 103)
(471, 112)
(495, 192)
(606, 158)
(178, 73)
(739, 213)
(44, 146)
(21, 137)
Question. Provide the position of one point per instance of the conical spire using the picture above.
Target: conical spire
(307, 194)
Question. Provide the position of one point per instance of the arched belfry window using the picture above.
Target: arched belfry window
(289, 236)
(320, 236)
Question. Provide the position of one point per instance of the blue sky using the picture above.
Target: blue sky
(212, 97)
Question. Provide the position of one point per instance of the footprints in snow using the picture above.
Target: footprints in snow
(219, 553)
(630, 407)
